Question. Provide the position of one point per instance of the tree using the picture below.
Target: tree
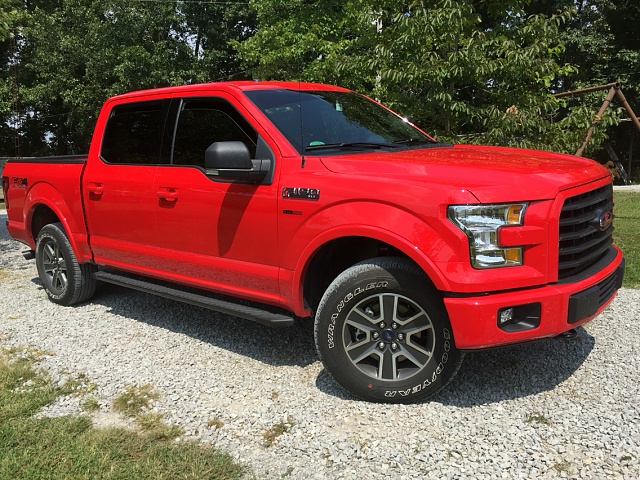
(8, 14)
(309, 40)
(211, 29)
(466, 71)
(602, 41)
(70, 55)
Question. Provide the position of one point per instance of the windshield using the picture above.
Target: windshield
(334, 120)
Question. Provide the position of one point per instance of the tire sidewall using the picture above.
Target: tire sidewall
(52, 233)
(348, 290)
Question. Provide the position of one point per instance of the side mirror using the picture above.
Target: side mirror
(232, 161)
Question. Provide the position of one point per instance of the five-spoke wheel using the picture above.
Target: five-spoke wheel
(64, 279)
(383, 333)
(54, 266)
(388, 336)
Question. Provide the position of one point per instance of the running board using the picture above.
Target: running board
(258, 315)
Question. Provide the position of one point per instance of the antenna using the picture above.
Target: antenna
(301, 124)
(303, 160)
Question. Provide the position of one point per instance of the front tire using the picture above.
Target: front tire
(64, 279)
(383, 333)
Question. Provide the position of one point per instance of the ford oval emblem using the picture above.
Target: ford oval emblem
(605, 220)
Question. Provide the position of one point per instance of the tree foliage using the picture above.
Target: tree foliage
(470, 71)
(73, 54)
(480, 71)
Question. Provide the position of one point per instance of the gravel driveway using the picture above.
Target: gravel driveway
(552, 409)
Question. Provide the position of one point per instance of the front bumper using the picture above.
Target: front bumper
(474, 319)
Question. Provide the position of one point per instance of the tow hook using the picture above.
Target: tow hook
(573, 333)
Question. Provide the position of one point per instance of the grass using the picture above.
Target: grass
(90, 404)
(215, 422)
(135, 400)
(135, 403)
(562, 467)
(538, 418)
(627, 234)
(71, 448)
(271, 434)
(4, 274)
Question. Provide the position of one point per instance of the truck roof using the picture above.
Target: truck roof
(232, 86)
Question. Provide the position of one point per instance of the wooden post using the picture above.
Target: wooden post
(627, 107)
(607, 101)
(630, 156)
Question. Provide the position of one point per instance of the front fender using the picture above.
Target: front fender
(386, 223)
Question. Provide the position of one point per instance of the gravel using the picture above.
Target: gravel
(552, 409)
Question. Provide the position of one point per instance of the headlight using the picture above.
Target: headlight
(481, 223)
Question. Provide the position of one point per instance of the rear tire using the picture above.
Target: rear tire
(383, 333)
(64, 279)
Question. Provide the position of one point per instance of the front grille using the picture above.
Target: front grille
(582, 243)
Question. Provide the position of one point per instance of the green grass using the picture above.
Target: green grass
(627, 234)
(90, 404)
(135, 403)
(135, 400)
(70, 448)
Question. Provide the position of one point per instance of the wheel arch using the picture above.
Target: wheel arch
(339, 248)
(45, 205)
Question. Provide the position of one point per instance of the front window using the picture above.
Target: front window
(203, 121)
(332, 121)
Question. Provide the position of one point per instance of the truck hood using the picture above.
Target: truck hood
(492, 174)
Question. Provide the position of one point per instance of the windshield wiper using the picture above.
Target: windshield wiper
(414, 140)
(328, 146)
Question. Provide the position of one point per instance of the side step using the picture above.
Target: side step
(249, 313)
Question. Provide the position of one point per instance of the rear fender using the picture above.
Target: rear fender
(43, 193)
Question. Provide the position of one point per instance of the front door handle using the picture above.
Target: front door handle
(168, 194)
(96, 189)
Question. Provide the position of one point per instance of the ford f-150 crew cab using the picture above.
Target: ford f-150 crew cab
(274, 200)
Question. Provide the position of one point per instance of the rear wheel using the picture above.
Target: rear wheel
(64, 279)
(383, 333)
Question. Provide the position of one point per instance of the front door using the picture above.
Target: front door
(217, 234)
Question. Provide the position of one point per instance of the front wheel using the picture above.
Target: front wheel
(64, 279)
(383, 333)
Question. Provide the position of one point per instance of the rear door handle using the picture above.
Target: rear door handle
(95, 188)
(168, 194)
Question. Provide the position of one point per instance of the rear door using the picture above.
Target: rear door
(118, 192)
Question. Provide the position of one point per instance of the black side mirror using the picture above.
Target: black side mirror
(232, 161)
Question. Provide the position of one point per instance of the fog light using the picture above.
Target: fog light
(520, 318)
(505, 316)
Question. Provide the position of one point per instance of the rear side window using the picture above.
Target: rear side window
(134, 133)
(205, 121)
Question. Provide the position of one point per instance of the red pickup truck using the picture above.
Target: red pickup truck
(275, 200)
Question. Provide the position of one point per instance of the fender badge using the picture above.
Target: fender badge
(301, 193)
(19, 182)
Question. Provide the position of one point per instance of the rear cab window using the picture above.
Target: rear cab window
(134, 133)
